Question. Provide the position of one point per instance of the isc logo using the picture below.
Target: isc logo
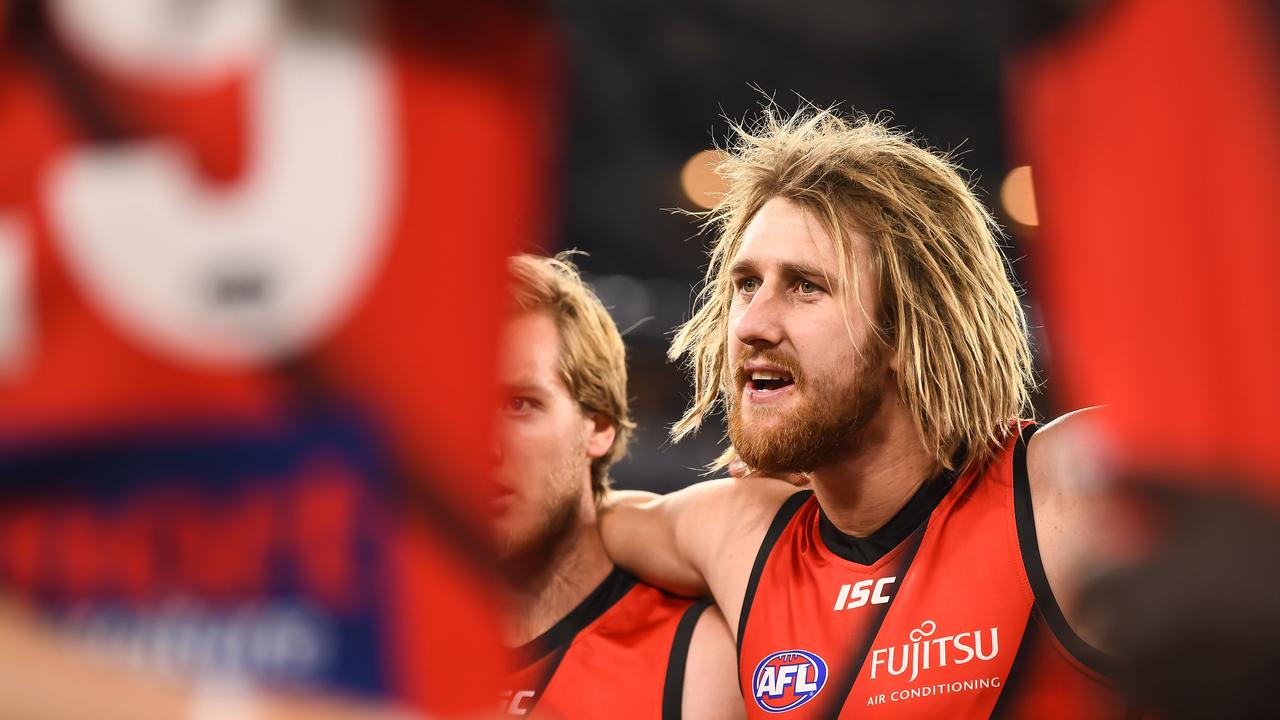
(786, 680)
(855, 596)
(518, 702)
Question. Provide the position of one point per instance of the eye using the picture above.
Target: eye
(807, 288)
(517, 404)
(748, 285)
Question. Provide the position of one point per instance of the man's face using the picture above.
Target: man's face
(804, 391)
(546, 442)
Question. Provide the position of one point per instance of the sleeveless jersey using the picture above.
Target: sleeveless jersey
(621, 652)
(944, 612)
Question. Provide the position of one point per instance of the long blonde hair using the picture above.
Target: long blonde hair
(947, 304)
(593, 359)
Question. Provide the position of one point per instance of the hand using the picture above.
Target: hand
(741, 471)
(1198, 612)
(619, 498)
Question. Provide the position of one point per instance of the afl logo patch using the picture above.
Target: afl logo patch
(788, 679)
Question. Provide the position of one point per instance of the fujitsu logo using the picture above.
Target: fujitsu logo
(925, 651)
(859, 594)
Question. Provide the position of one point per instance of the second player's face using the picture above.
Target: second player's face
(546, 441)
(809, 372)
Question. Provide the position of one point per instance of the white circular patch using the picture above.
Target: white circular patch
(241, 274)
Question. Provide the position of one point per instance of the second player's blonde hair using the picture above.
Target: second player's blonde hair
(947, 305)
(593, 359)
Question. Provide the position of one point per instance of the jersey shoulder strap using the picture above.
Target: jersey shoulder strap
(783, 518)
(1029, 548)
(673, 685)
(550, 647)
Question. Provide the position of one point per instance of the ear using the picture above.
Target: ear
(889, 348)
(601, 431)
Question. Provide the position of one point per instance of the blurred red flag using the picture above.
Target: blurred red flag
(351, 469)
(1151, 129)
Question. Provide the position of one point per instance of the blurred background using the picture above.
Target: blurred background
(251, 260)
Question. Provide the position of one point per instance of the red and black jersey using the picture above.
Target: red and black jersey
(944, 612)
(621, 651)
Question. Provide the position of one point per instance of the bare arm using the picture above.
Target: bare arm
(711, 675)
(697, 540)
(1072, 510)
(652, 536)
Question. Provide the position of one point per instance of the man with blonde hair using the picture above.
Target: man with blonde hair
(590, 639)
(859, 326)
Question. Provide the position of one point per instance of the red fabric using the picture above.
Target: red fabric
(615, 667)
(1151, 131)
(966, 582)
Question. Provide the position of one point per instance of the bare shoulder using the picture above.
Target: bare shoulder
(758, 493)
(1066, 449)
(690, 542)
(726, 508)
(728, 520)
(756, 499)
(1064, 468)
(1071, 509)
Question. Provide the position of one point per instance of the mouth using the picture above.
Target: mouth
(765, 385)
(501, 499)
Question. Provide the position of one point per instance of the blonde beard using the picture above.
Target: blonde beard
(529, 548)
(828, 422)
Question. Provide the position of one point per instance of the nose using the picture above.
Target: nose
(760, 323)
(496, 455)
(498, 443)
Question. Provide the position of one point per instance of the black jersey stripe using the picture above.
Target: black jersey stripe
(870, 549)
(1025, 520)
(780, 522)
(673, 686)
(607, 594)
(1011, 688)
(840, 691)
(557, 641)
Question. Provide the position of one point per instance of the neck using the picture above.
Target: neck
(541, 596)
(863, 490)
